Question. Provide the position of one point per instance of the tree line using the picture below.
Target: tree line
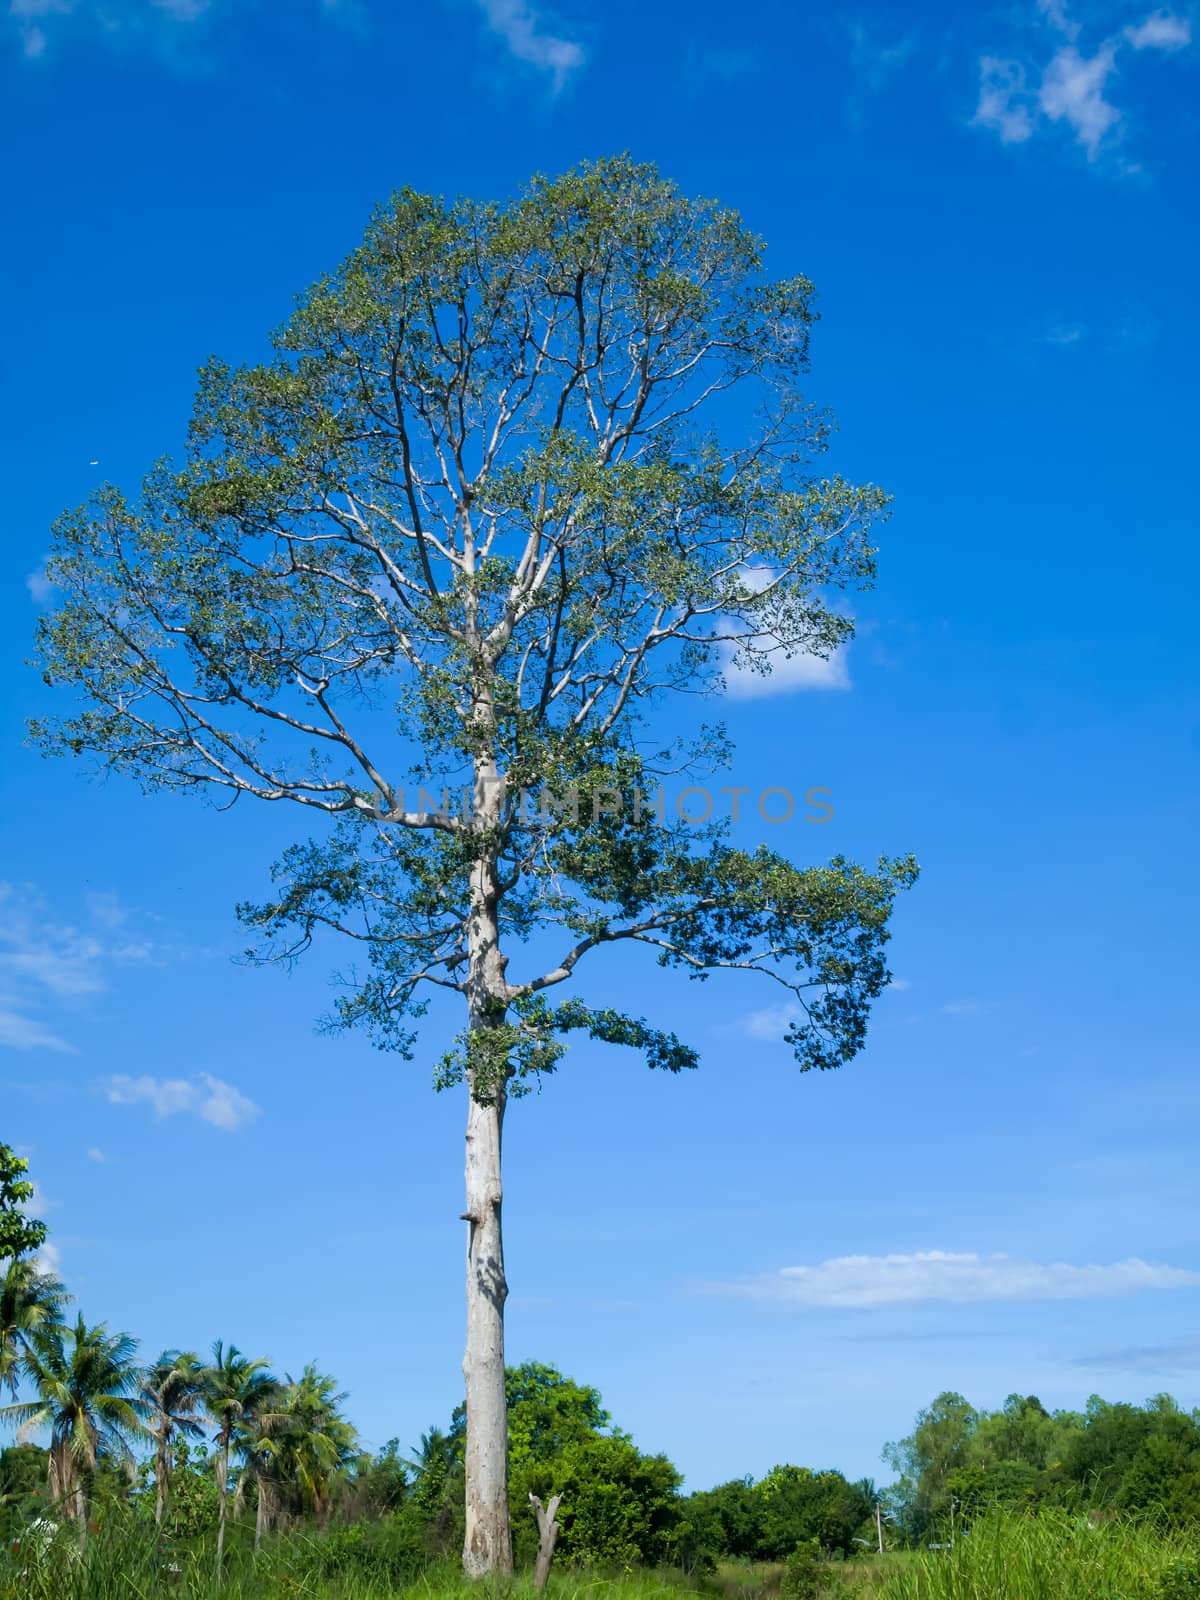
(1111, 1457)
(200, 1447)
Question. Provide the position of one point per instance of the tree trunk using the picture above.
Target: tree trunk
(488, 1544)
(487, 1547)
(547, 1536)
(161, 1478)
(222, 1502)
(261, 1514)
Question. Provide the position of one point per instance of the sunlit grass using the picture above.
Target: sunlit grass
(1056, 1556)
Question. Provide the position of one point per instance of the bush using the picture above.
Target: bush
(802, 1573)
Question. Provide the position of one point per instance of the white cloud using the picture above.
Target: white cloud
(1072, 91)
(49, 1259)
(224, 1106)
(1005, 104)
(1018, 98)
(870, 1282)
(771, 1023)
(787, 675)
(211, 1099)
(517, 23)
(39, 585)
(1162, 30)
(19, 1032)
(1055, 13)
(97, 1156)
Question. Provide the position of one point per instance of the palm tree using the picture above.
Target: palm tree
(317, 1444)
(238, 1394)
(30, 1298)
(86, 1381)
(173, 1391)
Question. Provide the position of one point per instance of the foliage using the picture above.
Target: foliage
(19, 1233)
(85, 1381)
(30, 1298)
(1110, 1457)
(790, 1508)
(801, 1573)
(480, 497)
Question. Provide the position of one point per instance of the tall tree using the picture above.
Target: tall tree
(86, 1382)
(515, 473)
(19, 1232)
(239, 1394)
(30, 1298)
(173, 1390)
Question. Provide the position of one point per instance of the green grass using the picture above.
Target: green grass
(1056, 1556)
(1051, 1557)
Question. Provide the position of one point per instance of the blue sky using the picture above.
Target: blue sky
(999, 210)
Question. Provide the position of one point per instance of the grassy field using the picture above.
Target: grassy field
(1053, 1557)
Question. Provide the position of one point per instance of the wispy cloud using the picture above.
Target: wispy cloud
(874, 62)
(51, 966)
(962, 1008)
(715, 67)
(1063, 335)
(168, 28)
(1005, 103)
(872, 1282)
(529, 41)
(19, 1032)
(771, 1023)
(1178, 1355)
(1019, 98)
(211, 1099)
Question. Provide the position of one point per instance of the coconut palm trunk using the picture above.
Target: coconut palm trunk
(222, 1466)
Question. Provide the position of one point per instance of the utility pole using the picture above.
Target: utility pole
(879, 1525)
(953, 1508)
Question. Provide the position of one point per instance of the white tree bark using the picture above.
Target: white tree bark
(488, 1543)
(487, 1546)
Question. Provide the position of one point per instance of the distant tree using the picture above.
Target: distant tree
(938, 1446)
(173, 1391)
(30, 1298)
(620, 1507)
(729, 1519)
(20, 1233)
(86, 1385)
(1101, 1452)
(802, 1507)
(315, 1445)
(436, 1466)
(546, 1411)
(382, 1481)
(515, 474)
(239, 1395)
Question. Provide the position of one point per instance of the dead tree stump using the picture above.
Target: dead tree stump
(547, 1534)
